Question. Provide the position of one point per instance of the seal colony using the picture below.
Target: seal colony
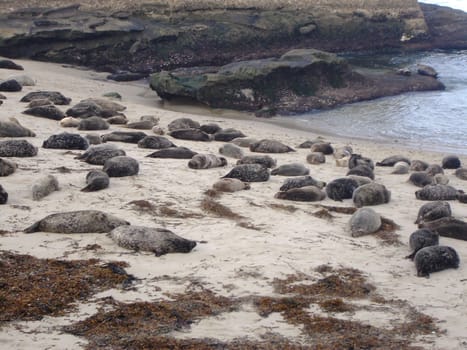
(269, 237)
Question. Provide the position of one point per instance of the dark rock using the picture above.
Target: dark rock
(46, 111)
(427, 70)
(126, 76)
(10, 85)
(53, 96)
(8, 64)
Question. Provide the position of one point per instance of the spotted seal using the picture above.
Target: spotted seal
(144, 124)
(420, 239)
(46, 111)
(124, 136)
(12, 128)
(97, 155)
(157, 240)
(362, 170)
(437, 193)
(461, 173)
(17, 148)
(244, 141)
(433, 211)
(421, 179)
(302, 194)
(210, 128)
(231, 150)
(435, 258)
(270, 146)
(364, 221)
(230, 185)
(418, 165)
(357, 159)
(7, 167)
(206, 161)
(96, 180)
(81, 221)
(3, 195)
(341, 188)
(249, 173)
(447, 227)
(263, 160)
(44, 186)
(93, 123)
(301, 181)
(54, 96)
(315, 158)
(173, 152)
(121, 166)
(155, 142)
(291, 169)
(227, 135)
(183, 123)
(371, 194)
(392, 160)
(66, 141)
(451, 162)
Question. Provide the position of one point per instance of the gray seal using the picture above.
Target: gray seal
(322, 147)
(231, 150)
(420, 239)
(270, 146)
(433, 211)
(434, 169)
(124, 136)
(451, 162)
(66, 141)
(7, 167)
(301, 181)
(435, 258)
(44, 186)
(173, 152)
(437, 193)
(17, 148)
(227, 135)
(371, 194)
(362, 170)
(45, 111)
(210, 128)
(249, 173)
(155, 142)
(142, 125)
(190, 134)
(97, 155)
(364, 221)
(358, 159)
(447, 227)
(461, 173)
(391, 161)
(157, 240)
(183, 123)
(292, 169)
(244, 142)
(81, 221)
(3, 195)
(12, 128)
(206, 161)
(54, 96)
(121, 166)
(302, 194)
(418, 165)
(264, 160)
(230, 185)
(401, 168)
(96, 180)
(421, 179)
(315, 158)
(341, 188)
(93, 123)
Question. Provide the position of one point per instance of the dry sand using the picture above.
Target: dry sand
(237, 260)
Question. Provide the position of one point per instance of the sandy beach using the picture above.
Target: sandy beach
(238, 257)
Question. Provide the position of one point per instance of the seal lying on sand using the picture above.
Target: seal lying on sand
(437, 193)
(190, 134)
(183, 123)
(121, 166)
(3, 195)
(364, 221)
(451, 162)
(358, 159)
(7, 167)
(301, 181)
(447, 227)
(227, 135)
(461, 173)
(54, 96)
(362, 170)
(341, 188)
(435, 258)
(93, 123)
(231, 150)
(264, 160)
(316, 158)
(371, 194)
(66, 141)
(157, 240)
(401, 168)
(292, 169)
(230, 185)
(391, 161)
(302, 194)
(418, 165)
(420, 239)
(97, 155)
(44, 186)
(173, 152)
(249, 173)
(124, 136)
(96, 180)
(12, 128)
(421, 179)
(206, 161)
(322, 147)
(155, 142)
(270, 146)
(82, 221)
(17, 148)
(433, 211)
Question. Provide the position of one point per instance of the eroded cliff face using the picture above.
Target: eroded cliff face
(167, 34)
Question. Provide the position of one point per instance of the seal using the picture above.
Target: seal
(12, 128)
(363, 222)
(155, 142)
(66, 141)
(119, 119)
(361, 180)
(437, 193)
(420, 239)
(341, 188)
(206, 161)
(421, 179)
(401, 168)
(447, 227)
(44, 186)
(81, 221)
(231, 150)
(93, 139)
(433, 211)
(173, 152)
(230, 185)
(190, 134)
(418, 165)
(249, 173)
(392, 160)
(302, 194)
(210, 128)
(461, 173)
(145, 123)
(69, 122)
(301, 181)
(361, 170)
(121, 166)
(343, 152)
(45, 111)
(358, 159)
(263, 160)
(3, 195)
(157, 240)
(39, 102)
(96, 180)
(270, 146)
(124, 136)
(244, 142)
(7, 167)
(292, 169)
(183, 123)
(93, 123)
(227, 135)
(322, 147)
(371, 194)
(435, 258)
(316, 158)
(451, 162)
(434, 169)
(97, 155)
(54, 96)
(462, 197)
(17, 148)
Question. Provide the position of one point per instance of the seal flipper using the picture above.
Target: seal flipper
(33, 228)
(411, 256)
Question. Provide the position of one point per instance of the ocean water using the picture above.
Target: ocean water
(435, 121)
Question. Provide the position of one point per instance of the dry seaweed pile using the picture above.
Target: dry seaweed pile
(31, 288)
(146, 325)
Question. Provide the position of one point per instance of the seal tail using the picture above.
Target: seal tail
(33, 228)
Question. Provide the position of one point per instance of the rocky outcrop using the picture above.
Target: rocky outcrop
(167, 35)
(298, 81)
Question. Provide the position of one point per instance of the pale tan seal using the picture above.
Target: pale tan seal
(206, 161)
(230, 185)
(364, 221)
(44, 186)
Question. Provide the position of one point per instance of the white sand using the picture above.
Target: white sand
(235, 261)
